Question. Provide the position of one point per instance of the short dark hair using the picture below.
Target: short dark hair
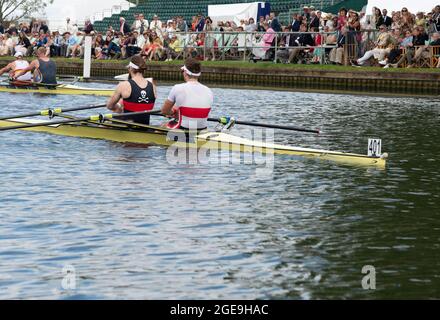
(140, 62)
(193, 65)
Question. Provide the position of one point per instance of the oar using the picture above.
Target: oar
(95, 118)
(122, 77)
(47, 112)
(226, 120)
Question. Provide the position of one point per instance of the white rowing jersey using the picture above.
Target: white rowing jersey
(21, 65)
(193, 102)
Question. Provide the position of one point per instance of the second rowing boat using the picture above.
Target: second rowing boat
(63, 89)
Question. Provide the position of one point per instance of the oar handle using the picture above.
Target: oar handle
(46, 112)
(95, 118)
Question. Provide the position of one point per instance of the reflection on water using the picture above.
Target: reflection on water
(134, 226)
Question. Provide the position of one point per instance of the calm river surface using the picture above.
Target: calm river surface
(134, 226)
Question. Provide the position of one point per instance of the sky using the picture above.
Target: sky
(77, 9)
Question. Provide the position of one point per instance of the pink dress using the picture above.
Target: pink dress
(265, 44)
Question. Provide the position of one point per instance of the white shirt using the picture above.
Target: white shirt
(21, 65)
(193, 100)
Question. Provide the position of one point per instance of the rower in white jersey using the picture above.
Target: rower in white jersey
(17, 66)
(189, 103)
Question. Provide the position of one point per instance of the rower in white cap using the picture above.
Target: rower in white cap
(189, 103)
(17, 66)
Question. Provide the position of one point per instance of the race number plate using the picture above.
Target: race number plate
(374, 147)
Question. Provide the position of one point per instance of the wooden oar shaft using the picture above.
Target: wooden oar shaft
(45, 112)
(94, 118)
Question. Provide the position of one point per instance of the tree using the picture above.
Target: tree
(11, 10)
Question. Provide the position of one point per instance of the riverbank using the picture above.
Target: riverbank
(326, 78)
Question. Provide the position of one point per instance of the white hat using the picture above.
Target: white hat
(18, 54)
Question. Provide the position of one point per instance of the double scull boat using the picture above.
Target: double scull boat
(208, 140)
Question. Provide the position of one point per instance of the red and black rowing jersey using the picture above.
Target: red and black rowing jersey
(141, 99)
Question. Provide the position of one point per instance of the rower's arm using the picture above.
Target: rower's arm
(6, 69)
(167, 108)
(113, 103)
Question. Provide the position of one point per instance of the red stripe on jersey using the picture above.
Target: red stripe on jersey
(195, 113)
(137, 107)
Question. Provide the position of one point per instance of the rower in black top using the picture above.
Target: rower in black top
(135, 95)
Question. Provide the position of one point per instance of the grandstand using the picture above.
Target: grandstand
(189, 8)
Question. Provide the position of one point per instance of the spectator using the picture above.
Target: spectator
(435, 19)
(384, 45)
(407, 19)
(35, 26)
(388, 21)
(314, 20)
(132, 47)
(171, 28)
(200, 23)
(420, 20)
(275, 23)
(266, 42)
(417, 40)
(68, 27)
(12, 29)
(336, 54)
(154, 48)
(342, 19)
(156, 25)
(401, 44)
(261, 23)
(88, 27)
(251, 26)
(181, 25)
(23, 44)
(209, 39)
(377, 18)
(306, 14)
(123, 26)
(98, 46)
(302, 40)
(44, 27)
(174, 48)
(140, 24)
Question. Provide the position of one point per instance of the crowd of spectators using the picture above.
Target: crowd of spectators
(397, 39)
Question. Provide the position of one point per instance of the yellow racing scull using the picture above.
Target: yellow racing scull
(208, 140)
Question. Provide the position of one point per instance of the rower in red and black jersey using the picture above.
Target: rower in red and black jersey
(135, 95)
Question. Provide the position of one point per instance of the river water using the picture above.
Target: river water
(128, 224)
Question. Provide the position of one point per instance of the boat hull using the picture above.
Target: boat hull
(59, 90)
(210, 140)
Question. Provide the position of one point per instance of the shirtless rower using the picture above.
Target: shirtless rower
(135, 95)
(189, 103)
(45, 69)
(17, 66)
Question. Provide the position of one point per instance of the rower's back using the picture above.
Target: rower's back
(194, 102)
(47, 71)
